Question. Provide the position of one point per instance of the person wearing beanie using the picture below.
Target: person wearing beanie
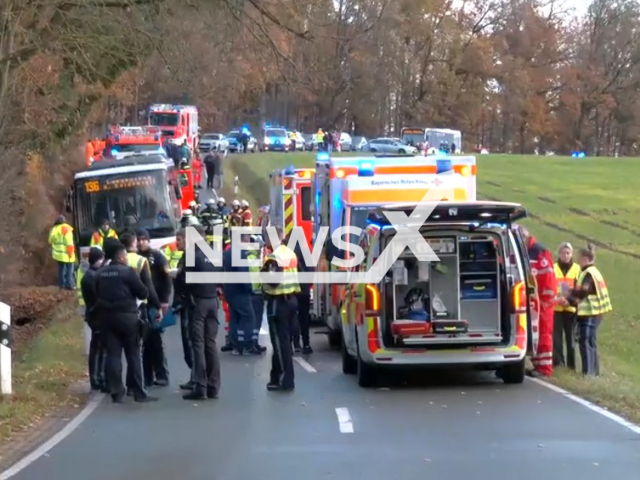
(97, 346)
(154, 360)
(564, 321)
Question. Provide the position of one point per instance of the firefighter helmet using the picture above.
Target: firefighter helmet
(212, 202)
(244, 204)
(235, 203)
(222, 201)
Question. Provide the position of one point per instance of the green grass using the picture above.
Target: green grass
(42, 377)
(575, 200)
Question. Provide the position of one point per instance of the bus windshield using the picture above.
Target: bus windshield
(128, 200)
(436, 138)
(159, 119)
(413, 136)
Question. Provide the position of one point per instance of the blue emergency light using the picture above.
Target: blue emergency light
(365, 169)
(322, 157)
(289, 170)
(444, 165)
(114, 151)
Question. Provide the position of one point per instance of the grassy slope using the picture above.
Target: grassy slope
(43, 375)
(602, 195)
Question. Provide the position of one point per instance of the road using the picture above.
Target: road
(457, 427)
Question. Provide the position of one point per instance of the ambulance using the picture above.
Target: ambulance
(348, 188)
(291, 200)
(475, 306)
(128, 141)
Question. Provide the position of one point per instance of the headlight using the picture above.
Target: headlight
(267, 140)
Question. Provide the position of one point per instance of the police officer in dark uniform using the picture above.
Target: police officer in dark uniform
(304, 304)
(117, 288)
(154, 360)
(204, 329)
(183, 305)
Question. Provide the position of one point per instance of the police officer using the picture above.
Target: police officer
(154, 360)
(183, 304)
(281, 307)
(204, 330)
(117, 289)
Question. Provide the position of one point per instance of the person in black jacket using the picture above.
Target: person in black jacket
(97, 347)
(204, 329)
(304, 305)
(154, 360)
(117, 288)
(182, 303)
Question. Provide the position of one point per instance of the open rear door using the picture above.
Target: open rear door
(533, 305)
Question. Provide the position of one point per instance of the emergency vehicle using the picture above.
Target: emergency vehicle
(139, 191)
(127, 141)
(177, 123)
(291, 200)
(477, 307)
(348, 188)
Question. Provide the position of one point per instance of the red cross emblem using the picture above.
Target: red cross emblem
(437, 182)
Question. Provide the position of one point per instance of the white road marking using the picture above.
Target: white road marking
(304, 364)
(55, 440)
(344, 420)
(591, 406)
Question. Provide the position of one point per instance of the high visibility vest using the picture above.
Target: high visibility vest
(137, 262)
(81, 271)
(289, 284)
(61, 241)
(173, 255)
(565, 283)
(255, 272)
(599, 303)
(97, 239)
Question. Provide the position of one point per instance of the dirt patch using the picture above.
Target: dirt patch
(579, 212)
(547, 200)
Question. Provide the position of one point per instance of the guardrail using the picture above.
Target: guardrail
(5, 349)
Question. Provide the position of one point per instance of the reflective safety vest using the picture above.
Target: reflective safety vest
(173, 255)
(84, 266)
(289, 262)
(255, 272)
(599, 303)
(61, 241)
(565, 284)
(97, 239)
(137, 262)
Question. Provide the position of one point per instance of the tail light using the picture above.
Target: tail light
(519, 295)
(372, 301)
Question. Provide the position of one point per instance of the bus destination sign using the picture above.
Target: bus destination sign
(94, 186)
(413, 131)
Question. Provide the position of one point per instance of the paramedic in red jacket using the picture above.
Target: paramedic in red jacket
(542, 267)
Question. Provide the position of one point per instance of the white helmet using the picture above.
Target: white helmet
(222, 200)
(211, 202)
(187, 213)
(244, 204)
(235, 203)
(192, 204)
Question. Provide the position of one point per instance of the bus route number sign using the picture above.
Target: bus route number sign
(92, 186)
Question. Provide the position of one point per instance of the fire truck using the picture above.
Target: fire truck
(291, 193)
(176, 122)
(127, 141)
(139, 191)
(347, 189)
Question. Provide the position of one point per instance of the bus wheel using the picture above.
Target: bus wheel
(513, 373)
(349, 364)
(335, 338)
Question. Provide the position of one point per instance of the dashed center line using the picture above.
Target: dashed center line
(304, 364)
(344, 420)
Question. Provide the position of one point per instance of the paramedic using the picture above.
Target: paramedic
(564, 320)
(281, 308)
(203, 330)
(154, 360)
(304, 304)
(591, 296)
(117, 289)
(542, 267)
(63, 252)
(105, 231)
(97, 347)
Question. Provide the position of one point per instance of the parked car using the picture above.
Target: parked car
(233, 141)
(345, 142)
(297, 141)
(390, 145)
(358, 144)
(212, 141)
(310, 143)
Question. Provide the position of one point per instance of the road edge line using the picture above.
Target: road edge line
(304, 364)
(590, 405)
(17, 467)
(344, 420)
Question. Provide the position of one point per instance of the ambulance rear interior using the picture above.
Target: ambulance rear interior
(463, 304)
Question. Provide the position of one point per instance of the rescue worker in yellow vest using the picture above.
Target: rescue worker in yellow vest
(257, 299)
(282, 305)
(173, 255)
(63, 252)
(105, 231)
(591, 297)
(567, 272)
(141, 266)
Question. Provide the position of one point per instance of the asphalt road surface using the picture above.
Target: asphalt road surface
(465, 426)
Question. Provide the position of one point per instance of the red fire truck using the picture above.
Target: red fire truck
(127, 141)
(176, 122)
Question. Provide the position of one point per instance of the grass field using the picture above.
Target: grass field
(576, 200)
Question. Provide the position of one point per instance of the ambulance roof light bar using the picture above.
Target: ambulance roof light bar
(366, 169)
(322, 157)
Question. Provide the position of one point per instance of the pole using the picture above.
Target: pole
(5, 349)
(236, 183)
